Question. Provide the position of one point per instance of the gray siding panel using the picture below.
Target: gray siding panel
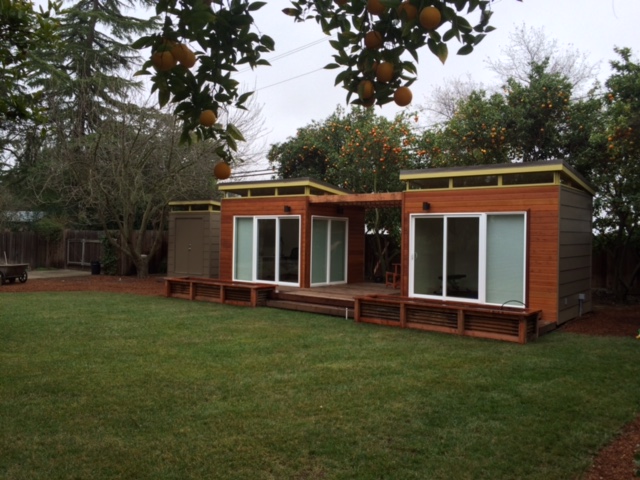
(575, 254)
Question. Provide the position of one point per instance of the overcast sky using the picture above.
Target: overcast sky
(295, 90)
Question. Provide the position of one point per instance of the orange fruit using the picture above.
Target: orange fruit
(184, 55)
(222, 170)
(384, 72)
(208, 118)
(190, 60)
(430, 18)
(407, 11)
(375, 7)
(163, 61)
(373, 40)
(402, 96)
(365, 89)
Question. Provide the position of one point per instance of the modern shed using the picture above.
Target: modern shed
(501, 235)
(194, 239)
(291, 232)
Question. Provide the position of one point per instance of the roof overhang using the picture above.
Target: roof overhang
(291, 186)
(556, 166)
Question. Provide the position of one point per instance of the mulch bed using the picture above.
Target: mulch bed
(614, 462)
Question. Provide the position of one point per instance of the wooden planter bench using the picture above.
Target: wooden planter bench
(219, 291)
(508, 323)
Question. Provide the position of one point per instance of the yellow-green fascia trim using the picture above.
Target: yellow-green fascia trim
(306, 183)
(194, 202)
(499, 169)
(192, 205)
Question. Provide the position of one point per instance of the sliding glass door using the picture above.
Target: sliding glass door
(266, 249)
(478, 258)
(328, 251)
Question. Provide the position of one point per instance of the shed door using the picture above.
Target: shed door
(189, 246)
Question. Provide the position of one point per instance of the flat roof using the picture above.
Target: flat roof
(498, 169)
(282, 186)
(195, 202)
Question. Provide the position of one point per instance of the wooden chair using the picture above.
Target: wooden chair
(393, 278)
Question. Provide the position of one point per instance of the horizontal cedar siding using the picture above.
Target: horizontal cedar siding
(542, 205)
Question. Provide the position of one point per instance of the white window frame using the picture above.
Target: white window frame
(254, 246)
(482, 256)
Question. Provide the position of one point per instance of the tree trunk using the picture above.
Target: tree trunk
(142, 266)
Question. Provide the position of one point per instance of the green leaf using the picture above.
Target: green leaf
(267, 41)
(449, 34)
(164, 95)
(292, 12)
(465, 50)
(460, 4)
(234, 133)
(243, 98)
(231, 143)
(442, 52)
(142, 42)
(256, 6)
(331, 66)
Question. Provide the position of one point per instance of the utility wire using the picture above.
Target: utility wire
(290, 52)
(289, 79)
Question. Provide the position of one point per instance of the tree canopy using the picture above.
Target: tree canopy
(366, 33)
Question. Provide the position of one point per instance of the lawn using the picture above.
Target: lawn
(105, 386)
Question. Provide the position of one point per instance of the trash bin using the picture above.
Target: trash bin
(95, 268)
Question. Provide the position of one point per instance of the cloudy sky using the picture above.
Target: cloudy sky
(295, 90)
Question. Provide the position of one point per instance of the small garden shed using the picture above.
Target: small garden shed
(194, 239)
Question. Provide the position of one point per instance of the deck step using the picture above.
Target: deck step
(335, 311)
(330, 300)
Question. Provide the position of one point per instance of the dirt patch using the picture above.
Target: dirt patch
(614, 462)
(153, 286)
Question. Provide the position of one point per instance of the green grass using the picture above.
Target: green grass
(104, 386)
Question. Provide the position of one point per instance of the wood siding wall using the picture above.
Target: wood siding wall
(299, 206)
(542, 206)
(575, 267)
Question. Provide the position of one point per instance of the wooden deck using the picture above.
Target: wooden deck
(218, 291)
(481, 321)
(373, 303)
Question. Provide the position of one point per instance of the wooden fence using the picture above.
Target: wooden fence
(76, 249)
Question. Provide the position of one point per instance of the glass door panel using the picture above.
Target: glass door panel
(337, 265)
(319, 250)
(428, 255)
(288, 270)
(328, 251)
(505, 259)
(463, 257)
(243, 250)
(266, 249)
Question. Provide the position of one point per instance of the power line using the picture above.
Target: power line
(289, 79)
(290, 52)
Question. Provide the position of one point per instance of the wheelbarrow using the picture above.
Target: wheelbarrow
(12, 271)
